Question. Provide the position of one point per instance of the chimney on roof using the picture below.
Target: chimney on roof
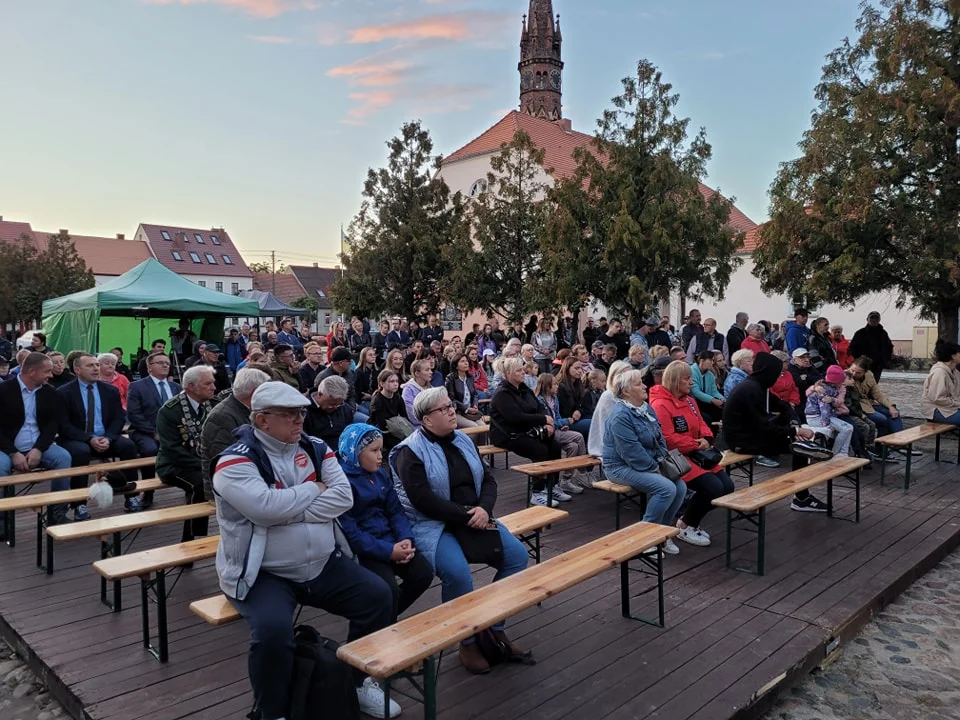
(316, 265)
(64, 231)
(120, 236)
(1, 218)
(565, 124)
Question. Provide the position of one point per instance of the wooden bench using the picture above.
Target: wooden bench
(525, 524)
(476, 430)
(551, 467)
(738, 463)
(387, 654)
(10, 482)
(491, 451)
(118, 528)
(43, 504)
(906, 438)
(749, 504)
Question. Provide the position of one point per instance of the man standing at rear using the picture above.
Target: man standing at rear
(797, 333)
(691, 329)
(737, 332)
(873, 342)
(28, 427)
(617, 337)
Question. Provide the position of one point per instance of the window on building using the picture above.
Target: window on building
(202, 283)
(195, 257)
(165, 234)
(210, 258)
(215, 239)
(227, 260)
(234, 288)
(219, 286)
(199, 238)
(176, 256)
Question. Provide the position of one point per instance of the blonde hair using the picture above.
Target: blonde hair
(658, 351)
(511, 364)
(618, 367)
(638, 351)
(676, 371)
(738, 358)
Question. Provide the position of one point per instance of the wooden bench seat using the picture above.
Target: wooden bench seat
(387, 653)
(476, 430)
(525, 524)
(742, 463)
(9, 483)
(117, 527)
(905, 440)
(550, 467)
(491, 451)
(749, 504)
(43, 504)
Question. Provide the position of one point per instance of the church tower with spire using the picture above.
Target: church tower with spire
(541, 66)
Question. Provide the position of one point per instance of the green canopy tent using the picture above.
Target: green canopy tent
(141, 305)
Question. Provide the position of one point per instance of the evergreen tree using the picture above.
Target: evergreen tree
(396, 263)
(871, 205)
(497, 269)
(632, 224)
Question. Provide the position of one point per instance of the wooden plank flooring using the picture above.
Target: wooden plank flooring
(731, 639)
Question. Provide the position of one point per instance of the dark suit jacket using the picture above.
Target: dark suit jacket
(12, 417)
(143, 404)
(75, 416)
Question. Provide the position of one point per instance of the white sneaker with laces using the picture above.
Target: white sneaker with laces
(571, 487)
(693, 536)
(670, 547)
(559, 494)
(370, 697)
(540, 498)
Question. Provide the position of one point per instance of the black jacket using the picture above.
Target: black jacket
(749, 424)
(365, 381)
(143, 404)
(328, 426)
(217, 435)
(308, 376)
(572, 401)
(75, 416)
(429, 334)
(824, 349)
(454, 387)
(12, 415)
(874, 342)
(513, 411)
(735, 337)
(804, 378)
(621, 340)
(350, 377)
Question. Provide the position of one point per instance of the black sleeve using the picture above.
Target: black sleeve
(488, 491)
(413, 475)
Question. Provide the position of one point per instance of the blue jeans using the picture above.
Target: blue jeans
(454, 571)
(952, 420)
(54, 458)
(885, 424)
(582, 426)
(342, 588)
(664, 496)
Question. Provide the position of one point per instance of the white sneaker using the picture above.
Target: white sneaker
(540, 498)
(571, 487)
(693, 536)
(559, 494)
(370, 697)
(670, 547)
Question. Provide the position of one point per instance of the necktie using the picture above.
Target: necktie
(91, 410)
(164, 395)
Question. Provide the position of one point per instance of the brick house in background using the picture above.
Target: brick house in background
(316, 281)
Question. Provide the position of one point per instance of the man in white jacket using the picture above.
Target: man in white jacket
(279, 493)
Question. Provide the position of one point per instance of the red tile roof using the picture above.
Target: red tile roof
(752, 238)
(316, 281)
(11, 231)
(558, 145)
(184, 240)
(106, 256)
(288, 287)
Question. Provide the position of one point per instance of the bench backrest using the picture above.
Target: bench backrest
(135, 521)
(46, 475)
(751, 499)
(392, 649)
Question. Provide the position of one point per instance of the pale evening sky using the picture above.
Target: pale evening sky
(263, 115)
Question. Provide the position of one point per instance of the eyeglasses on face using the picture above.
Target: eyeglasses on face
(445, 409)
(300, 413)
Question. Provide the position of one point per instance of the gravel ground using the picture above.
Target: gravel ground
(904, 665)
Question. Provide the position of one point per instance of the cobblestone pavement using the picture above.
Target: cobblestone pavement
(904, 665)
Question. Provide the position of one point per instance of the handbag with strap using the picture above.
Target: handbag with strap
(481, 546)
(708, 458)
(399, 427)
(673, 465)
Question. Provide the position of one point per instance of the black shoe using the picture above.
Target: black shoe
(810, 449)
(809, 504)
(146, 502)
(125, 489)
(879, 457)
(914, 453)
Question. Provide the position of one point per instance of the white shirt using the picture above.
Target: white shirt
(30, 430)
(156, 382)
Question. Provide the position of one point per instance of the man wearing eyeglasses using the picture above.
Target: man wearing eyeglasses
(279, 493)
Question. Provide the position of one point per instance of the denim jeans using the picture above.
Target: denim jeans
(952, 420)
(454, 571)
(842, 432)
(342, 588)
(582, 426)
(885, 424)
(664, 496)
(54, 458)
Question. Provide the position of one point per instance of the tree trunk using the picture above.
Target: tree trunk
(947, 320)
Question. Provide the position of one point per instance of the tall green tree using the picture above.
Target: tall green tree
(498, 268)
(29, 277)
(634, 208)
(872, 203)
(396, 263)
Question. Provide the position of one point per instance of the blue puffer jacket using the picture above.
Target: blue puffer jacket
(632, 440)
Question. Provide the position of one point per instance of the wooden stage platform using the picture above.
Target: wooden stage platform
(732, 640)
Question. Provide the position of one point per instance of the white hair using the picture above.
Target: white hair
(755, 326)
(511, 364)
(247, 381)
(334, 386)
(740, 356)
(618, 367)
(425, 400)
(108, 357)
(194, 375)
(624, 380)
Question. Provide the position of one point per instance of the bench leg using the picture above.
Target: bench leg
(159, 587)
(729, 534)
(856, 489)
(761, 538)
(906, 474)
(883, 463)
(44, 520)
(758, 520)
(617, 499)
(10, 518)
(936, 452)
(750, 468)
(830, 498)
(110, 549)
(656, 563)
(532, 541)
(529, 489)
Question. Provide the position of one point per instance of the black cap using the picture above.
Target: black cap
(339, 354)
(800, 311)
(211, 348)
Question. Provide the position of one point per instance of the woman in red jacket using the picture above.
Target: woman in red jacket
(841, 347)
(685, 430)
(754, 340)
(785, 387)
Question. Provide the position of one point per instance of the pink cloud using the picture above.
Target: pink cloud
(370, 72)
(370, 103)
(451, 26)
(272, 39)
(259, 8)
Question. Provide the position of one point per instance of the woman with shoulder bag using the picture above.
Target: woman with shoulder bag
(634, 452)
(518, 424)
(684, 429)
